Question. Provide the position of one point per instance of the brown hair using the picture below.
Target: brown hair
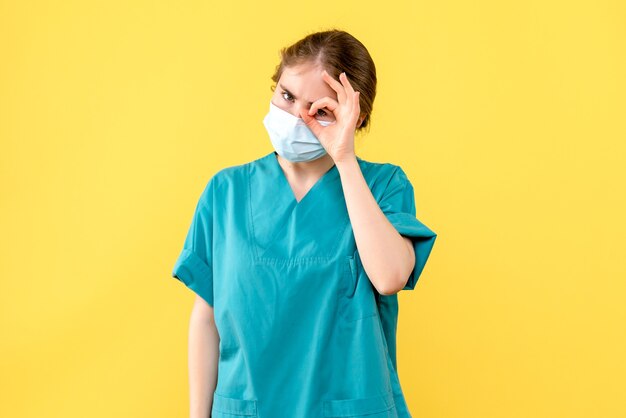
(335, 51)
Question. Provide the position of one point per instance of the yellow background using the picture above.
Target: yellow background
(509, 119)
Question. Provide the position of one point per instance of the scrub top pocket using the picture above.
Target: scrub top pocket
(225, 407)
(359, 301)
(382, 406)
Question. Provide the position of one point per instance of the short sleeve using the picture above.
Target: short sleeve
(398, 205)
(194, 266)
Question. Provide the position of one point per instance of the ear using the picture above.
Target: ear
(360, 121)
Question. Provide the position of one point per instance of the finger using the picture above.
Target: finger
(346, 83)
(356, 111)
(335, 85)
(349, 90)
(324, 102)
(312, 123)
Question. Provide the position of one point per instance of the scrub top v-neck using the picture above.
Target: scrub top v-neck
(303, 332)
(331, 171)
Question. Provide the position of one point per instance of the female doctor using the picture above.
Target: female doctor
(297, 257)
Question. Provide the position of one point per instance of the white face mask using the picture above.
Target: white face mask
(291, 137)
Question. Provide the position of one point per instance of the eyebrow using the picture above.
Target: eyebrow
(290, 93)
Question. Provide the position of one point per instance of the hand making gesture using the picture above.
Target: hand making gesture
(337, 138)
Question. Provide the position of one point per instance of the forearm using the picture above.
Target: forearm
(203, 360)
(386, 255)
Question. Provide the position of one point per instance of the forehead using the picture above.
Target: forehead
(305, 82)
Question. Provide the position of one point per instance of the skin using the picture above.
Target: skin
(309, 92)
(203, 357)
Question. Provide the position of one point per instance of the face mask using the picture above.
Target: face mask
(291, 137)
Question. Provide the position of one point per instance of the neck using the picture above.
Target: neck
(306, 168)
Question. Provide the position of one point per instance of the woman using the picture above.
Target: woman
(297, 257)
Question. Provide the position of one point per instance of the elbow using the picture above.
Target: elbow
(393, 285)
(388, 292)
(398, 277)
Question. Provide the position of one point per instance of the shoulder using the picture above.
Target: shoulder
(228, 178)
(382, 175)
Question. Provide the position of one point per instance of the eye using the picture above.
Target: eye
(288, 97)
(287, 93)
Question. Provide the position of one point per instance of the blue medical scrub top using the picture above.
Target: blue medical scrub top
(303, 332)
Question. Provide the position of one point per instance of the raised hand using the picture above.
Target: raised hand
(337, 138)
